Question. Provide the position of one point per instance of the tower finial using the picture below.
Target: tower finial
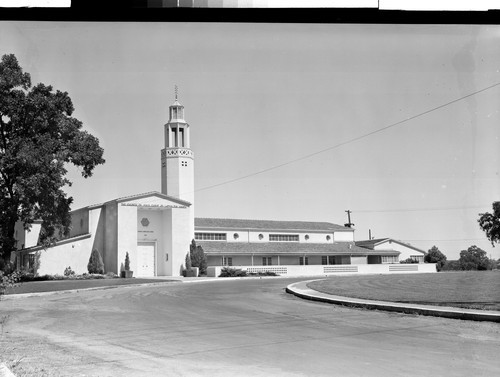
(176, 90)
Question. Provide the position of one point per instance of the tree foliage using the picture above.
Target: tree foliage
(38, 138)
(490, 223)
(474, 258)
(434, 255)
(198, 257)
(95, 265)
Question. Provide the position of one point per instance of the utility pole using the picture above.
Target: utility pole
(349, 224)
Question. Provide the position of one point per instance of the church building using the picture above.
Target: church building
(156, 229)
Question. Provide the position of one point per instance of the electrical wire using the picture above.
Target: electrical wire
(347, 141)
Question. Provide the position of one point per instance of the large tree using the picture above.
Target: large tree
(474, 258)
(38, 138)
(490, 223)
(434, 255)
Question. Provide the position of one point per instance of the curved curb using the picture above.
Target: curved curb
(301, 290)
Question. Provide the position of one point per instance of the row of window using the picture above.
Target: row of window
(272, 237)
(390, 259)
(268, 261)
(210, 236)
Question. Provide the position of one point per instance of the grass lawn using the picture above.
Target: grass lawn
(62, 285)
(464, 289)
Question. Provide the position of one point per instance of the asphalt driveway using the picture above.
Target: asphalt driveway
(232, 328)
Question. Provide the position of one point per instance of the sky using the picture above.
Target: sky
(384, 112)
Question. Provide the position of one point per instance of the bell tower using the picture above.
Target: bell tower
(177, 158)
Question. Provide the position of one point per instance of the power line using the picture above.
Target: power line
(450, 240)
(417, 209)
(347, 141)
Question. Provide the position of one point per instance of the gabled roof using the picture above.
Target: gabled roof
(370, 244)
(151, 194)
(274, 225)
(288, 248)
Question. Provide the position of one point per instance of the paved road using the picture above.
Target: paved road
(237, 328)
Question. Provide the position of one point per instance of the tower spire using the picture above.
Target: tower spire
(176, 89)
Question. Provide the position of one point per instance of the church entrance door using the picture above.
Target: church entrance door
(146, 259)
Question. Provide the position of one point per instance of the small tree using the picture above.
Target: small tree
(95, 265)
(474, 258)
(188, 261)
(198, 257)
(435, 256)
(490, 223)
(127, 262)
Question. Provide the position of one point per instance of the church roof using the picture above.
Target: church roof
(341, 248)
(214, 223)
(151, 194)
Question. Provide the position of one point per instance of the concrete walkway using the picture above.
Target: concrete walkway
(301, 290)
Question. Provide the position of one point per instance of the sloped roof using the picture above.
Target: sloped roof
(201, 222)
(341, 248)
(375, 242)
(142, 196)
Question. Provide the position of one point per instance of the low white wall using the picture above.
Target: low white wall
(339, 269)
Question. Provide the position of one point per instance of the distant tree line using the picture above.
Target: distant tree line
(472, 259)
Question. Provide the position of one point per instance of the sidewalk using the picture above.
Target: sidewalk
(51, 287)
(301, 290)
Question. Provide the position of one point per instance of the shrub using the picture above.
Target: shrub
(8, 281)
(263, 273)
(96, 265)
(451, 265)
(127, 262)
(409, 260)
(198, 257)
(231, 272)
(435, 256)
(69, 272)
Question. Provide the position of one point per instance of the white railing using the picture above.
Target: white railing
(339, 269)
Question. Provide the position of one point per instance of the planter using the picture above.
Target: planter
(127, 274)
(193, 273)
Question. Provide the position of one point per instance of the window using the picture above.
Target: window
(331, 259)
(227, 261)
(267, 261)
(324, 260)
(417, 258)
(261, 236)
(284, 237)
(389, 259)
(184, 163)
(306, 237)
(328, 238)
(236, 236)
(303, 261)
(210, 236)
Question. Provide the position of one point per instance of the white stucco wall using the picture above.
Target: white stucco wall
(343, 236)
(253, 235)
(74, 253)
(127, 236)
(79, 222)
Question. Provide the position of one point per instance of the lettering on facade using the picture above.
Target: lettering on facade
(152, 205)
